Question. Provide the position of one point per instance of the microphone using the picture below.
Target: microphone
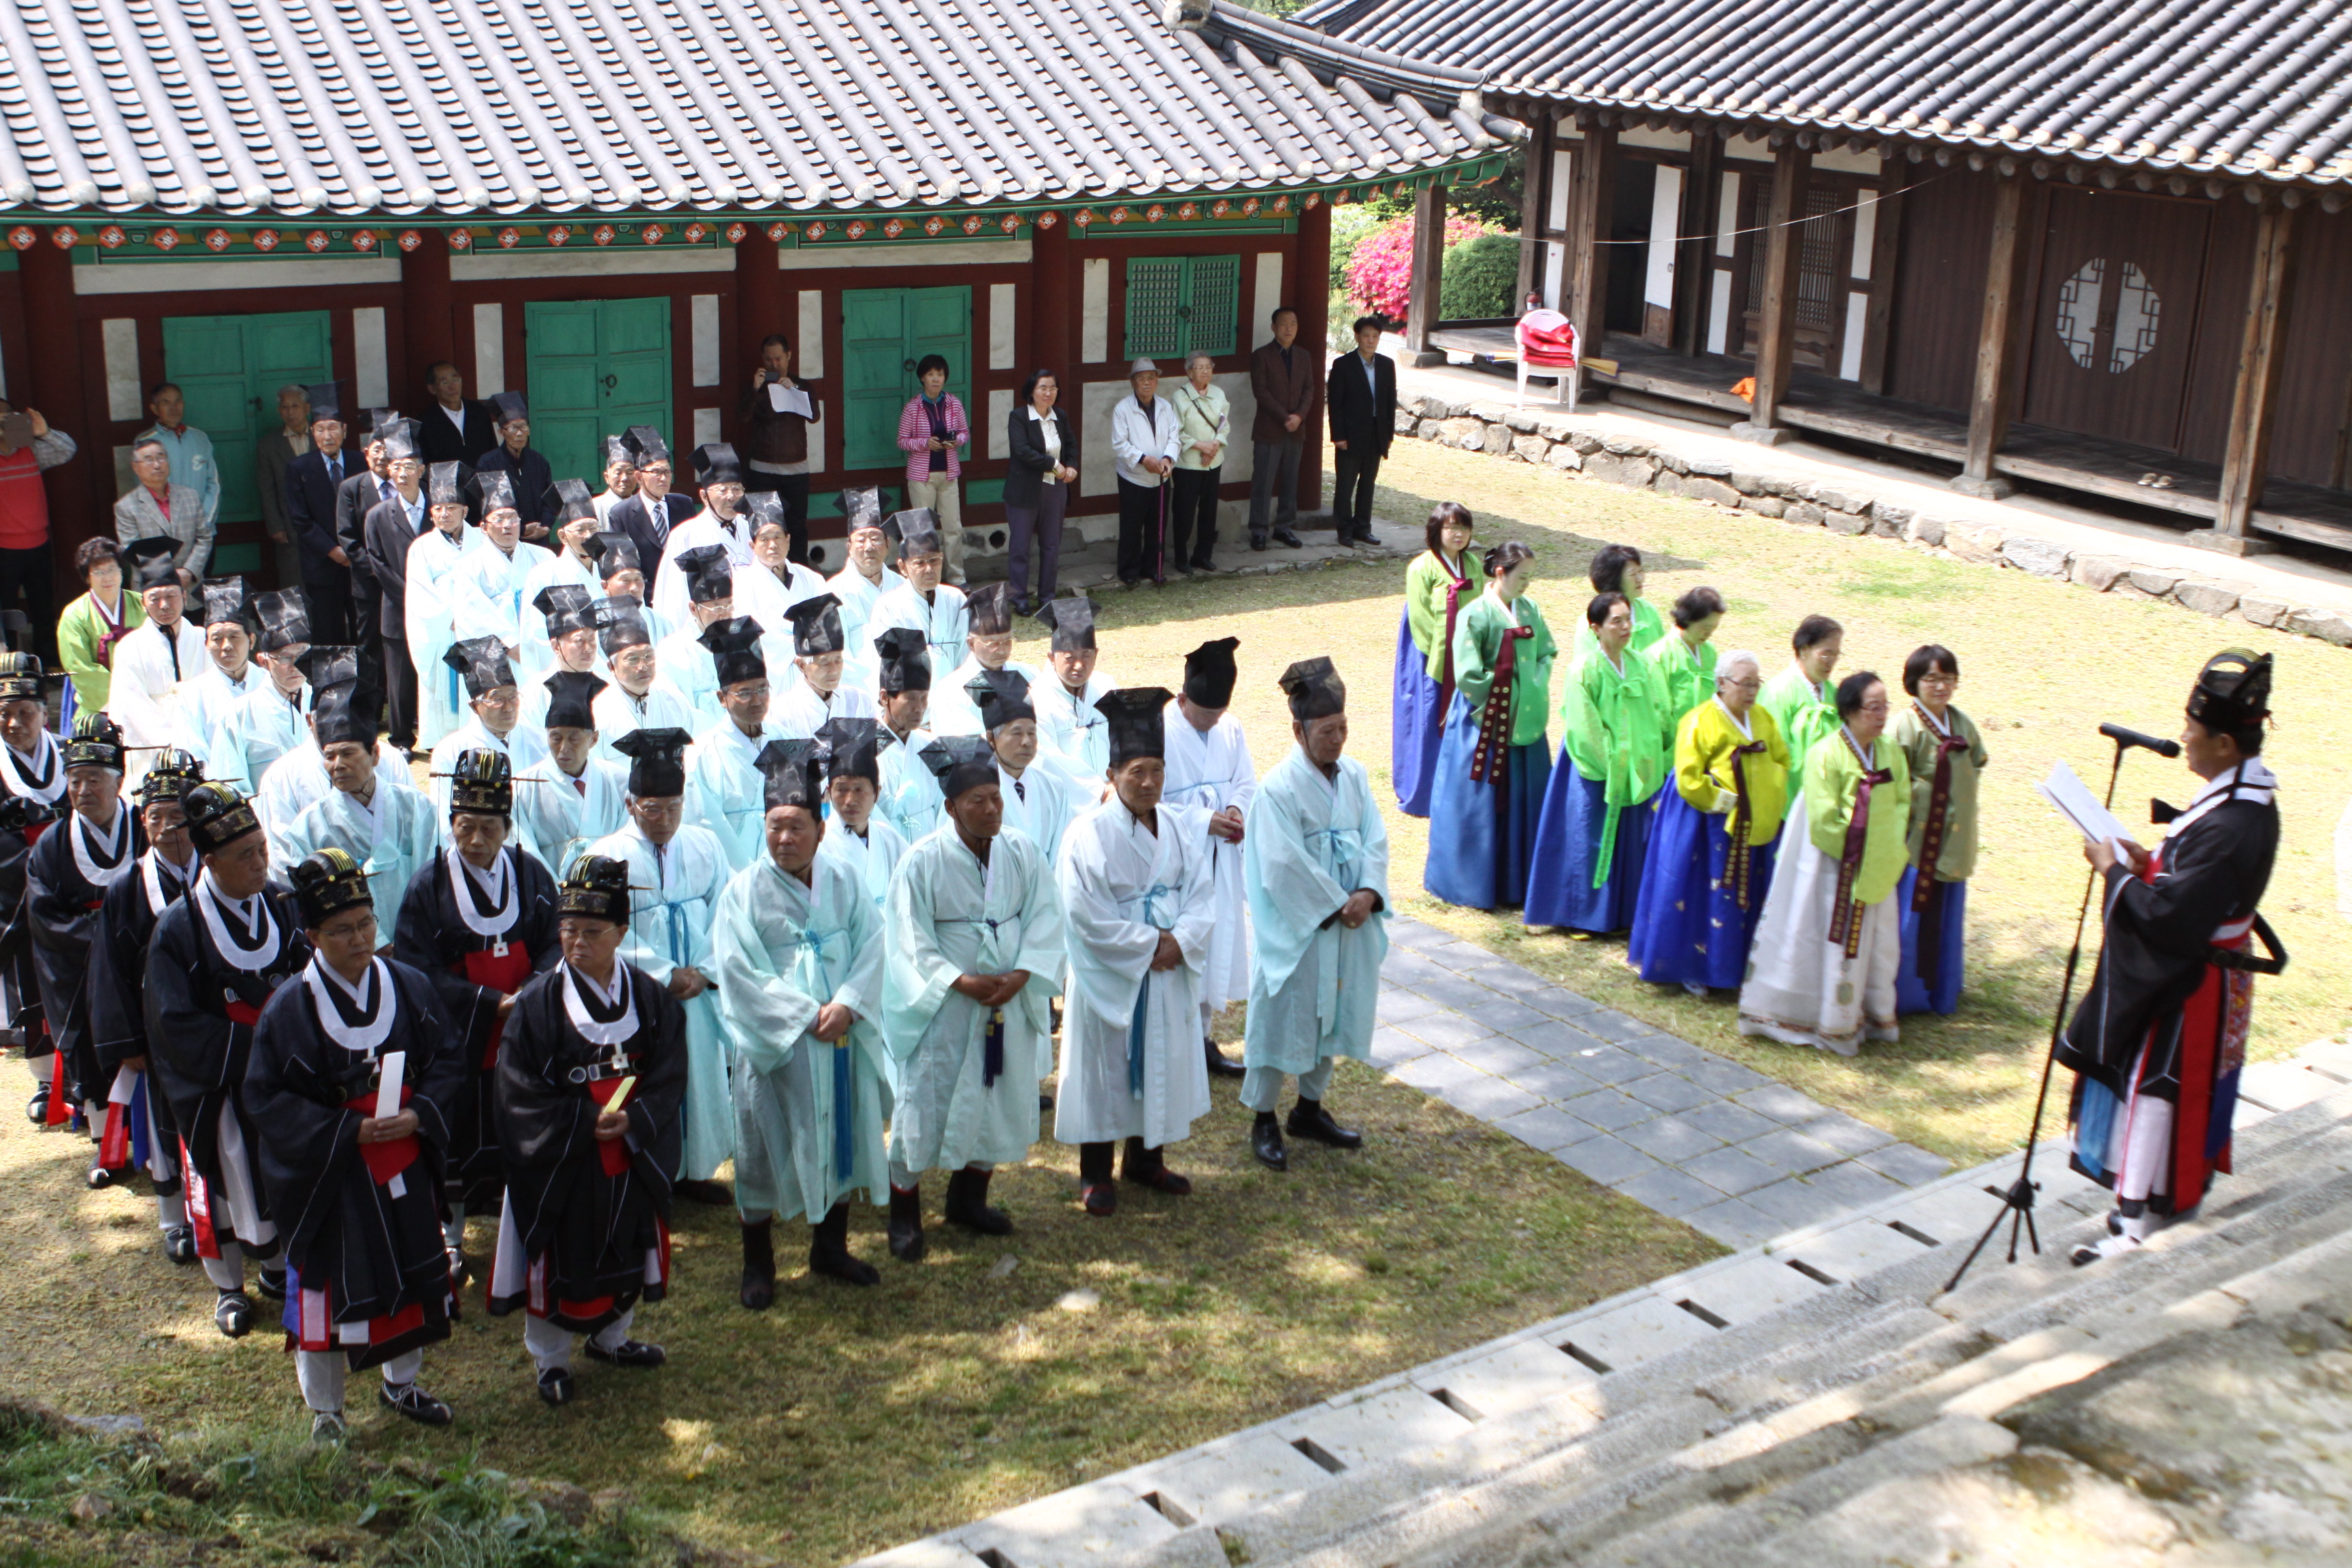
(2122, 737)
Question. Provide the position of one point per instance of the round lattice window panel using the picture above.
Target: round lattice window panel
(2124, 316)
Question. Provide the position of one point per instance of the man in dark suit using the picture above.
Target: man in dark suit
(1361, 395)
(648, 516)
(454, 429)
(1289, 397)
(392, 526)
(368, 483)
(272, 455)
(533, 479)
(312, 485)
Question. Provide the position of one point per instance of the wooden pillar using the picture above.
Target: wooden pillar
(2254, 406)
(1533, 196)
(1994, 400)
(80, 492)
(1694, 273)
(427, 325)
(1885, 218)
(1310, 265)
(1591, 212)
(1776, 333)
(1428, 271)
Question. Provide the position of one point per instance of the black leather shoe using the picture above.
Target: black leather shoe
(1309, 1120)
(180, 1244)
(628, 1352)
(967, 1204)
(100, 1177)
(36, 1110)
(414, 1403)
(1265, 1143)
(1289, 540)
(1220, 1063)
(1257, 542)
(758, 1290)
(273, 1283)
(556, 1387)
(907, 1226)
(233, 1314)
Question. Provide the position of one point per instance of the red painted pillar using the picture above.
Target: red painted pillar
(1310, 292)
(1053, 308)
(428, 327)
(52, 379)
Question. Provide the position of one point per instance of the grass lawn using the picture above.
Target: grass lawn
(842, 1422)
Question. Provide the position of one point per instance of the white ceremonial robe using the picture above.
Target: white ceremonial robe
(799, 713)
(391, 837)
(858, 599)
(674, 891)
(146, 695)
(1213, 771)
(663, 706)
(534, 693)
(942, 622)
(873, 857)
(206, 702)
(435, 589)
(298, 780)
(253, 732)
(727, 793)
(523, 745)
(557, 816)
(953, 713)
(1042, 804)
(948, 915)
(1800, 988)
(909, 799)
(560, 569)
(491, 601)
(782, 952)
(1072, 729)
(757, 592)
(1131, 1060)
(1311, 842)
(688, 666)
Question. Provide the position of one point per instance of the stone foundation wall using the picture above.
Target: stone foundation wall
(1559, 441)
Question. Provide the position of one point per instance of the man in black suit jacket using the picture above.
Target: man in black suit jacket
(533, 481)
(390, 528)
(368, 483)
(1361, 397)
(313, 483)
(648, 516)
(454, 429)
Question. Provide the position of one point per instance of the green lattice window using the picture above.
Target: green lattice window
(1178, 304)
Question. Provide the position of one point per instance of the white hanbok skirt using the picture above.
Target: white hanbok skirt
(1800, 988)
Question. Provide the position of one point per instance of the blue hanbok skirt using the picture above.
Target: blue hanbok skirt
(1940, 993)
(1568, 848)
(1479, 847)
(1688, 929)
(1417, 727)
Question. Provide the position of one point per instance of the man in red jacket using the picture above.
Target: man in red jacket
(25, 519)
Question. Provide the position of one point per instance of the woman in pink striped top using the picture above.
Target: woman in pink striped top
(933, 432)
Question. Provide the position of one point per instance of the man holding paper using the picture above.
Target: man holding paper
(2156, 1044)
(359, 1086)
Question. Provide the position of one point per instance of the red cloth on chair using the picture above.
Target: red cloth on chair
(1547, 338)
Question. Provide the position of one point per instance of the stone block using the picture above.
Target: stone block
(1495, 440)
(1904, 1163)
(1431, 430)
(1406, 423)
(1672, 462)
(1728, 1123)
(1492, 412)
(1844, 1133)
(1847, 522)
(1531, 448)
(1731, 1171)
(1767, 506)
(934, 1552)
(1925, 530)
(1671, 1092)
(2323, 624)
(1666, 482)
(1626, 447)
(1805, 512)
(1792, 1152)
(1701, 488)
(1890, 521)
(1642, 1329)
(1553, 427)
(2154, 581)
(1564, 457)
(1830, 499)
(1250, 1473)
(2098, 571)
(1385, 1426)
(1519, 420)
(1606, 1159)
(1795, 1204)
(1488, 1098)
(2263, 612)
(1454, 429)
(1734, 1223)
(2205, 598)
(1671, 1138)
(1475, 438)
(1856, 1251)
(1585, 442)
(1970, 542)
(1620, 470)
(1546, 1129)
(1746, 1291)
(1083, 1524)
(2037, 556)
(1519, 1376)
(1708, 467)
(1781, 1103)
(1749, 484)
(1670, 1193)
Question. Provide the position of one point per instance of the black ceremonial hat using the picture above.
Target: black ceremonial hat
(989, 608)
(1209, 673)
(1001, 697)
(151, 562)
(904, 660)
(620, 623)
(220, 814)
(481, 782)
(816, 626)
(2233, 692)
(1136, 718)
(765, 507)
(617, 450)
(352, 710)
(97, 742)
(329, 664)
(495, 486)
(327, 883)
(399, 438)
(1314, 689)
(960, 763)
(285, 618)
(170, 776)
(715, 463)
(572, 699)
(646, 445)
(510, 405)
(595, 886)
(568, 606)
(734, 644)
(614, 553)
(224, 600)
(381, 423)
(20, 673)
(863, 507)
(915, 532)
(709, 572)
(657, 761)
(851, 748)
(795, 775)
(483, 662)
(326, 401)
(443, 486)
(571, 500)
(1073, 623)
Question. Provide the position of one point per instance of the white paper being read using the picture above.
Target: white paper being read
(2075, 802)
(782, 399)
(387, 1089)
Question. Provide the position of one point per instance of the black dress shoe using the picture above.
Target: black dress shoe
(712, 1193)
(233, 1314)
(100, 1177)
(556, 1387)
(36, 1110)
(1182, 568)
(907, 1226)
(273, 1283)
(628, 1352)
(967, 1204)
(1220, 1063)
(1266, 1142)
(1289, 540)
(415, 1404)
(1257, 542)
(180, 1244)
(1309, 1120)
(756, 1290)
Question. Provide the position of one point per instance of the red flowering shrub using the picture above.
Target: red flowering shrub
(1380, 273)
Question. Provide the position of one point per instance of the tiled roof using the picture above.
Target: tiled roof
(355, 107)
(2249, 88)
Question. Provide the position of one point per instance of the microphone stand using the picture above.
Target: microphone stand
(2017, 1202)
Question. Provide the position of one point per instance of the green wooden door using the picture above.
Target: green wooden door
(230, 368)
(1179, 304)
(595, 368)
(884, 333)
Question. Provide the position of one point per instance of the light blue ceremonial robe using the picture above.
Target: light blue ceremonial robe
(1072, 731)
(1211, 769)
(944, 623)
(254, 732)
(871, 858)
(556, 818)
(492, 600)
(436, 588)
(948, 915)
(674, 892)
(1042, 803)
(392, 838)
(534, 693)
(858, 599)
(299, 779)
(808, 1114)
(910, 798)
(727, 793)
(563, 568)
(688, 666)
(1312, 842)
(953, 713)
(523, 745)
(663, 706)
(207, 699)
(800, 714)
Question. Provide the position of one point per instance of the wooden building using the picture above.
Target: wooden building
(606, 206)
(2099, 247)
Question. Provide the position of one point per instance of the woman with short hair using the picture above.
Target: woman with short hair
(933, 431)
(1204, 424)
(1829, 943)
(90, 626)
(1492, 762)
(1685, 661)
(1945, 752)
(1618, 569)
(1436, 586)
(1037, 486)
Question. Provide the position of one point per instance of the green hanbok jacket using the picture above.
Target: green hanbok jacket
(1478, 639)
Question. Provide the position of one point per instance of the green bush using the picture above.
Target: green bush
(1349, 224)
(1478, 278)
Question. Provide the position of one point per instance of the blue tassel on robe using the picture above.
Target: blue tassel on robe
(1567, 850)
(1913, 994)
(1688, 929)
(1417, 726)
(1476, 860)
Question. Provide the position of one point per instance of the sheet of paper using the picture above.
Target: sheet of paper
(126, 1085)
(785, 399)
(387, 1089)
(2075, 802)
